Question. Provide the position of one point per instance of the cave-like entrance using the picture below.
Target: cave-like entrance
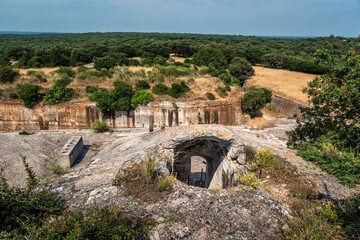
(205, 153)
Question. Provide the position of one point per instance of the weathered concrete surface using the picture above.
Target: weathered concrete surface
(199, 213)
(286, 106)
(81, 115)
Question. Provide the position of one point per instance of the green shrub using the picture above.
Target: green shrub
(134, 62)
(249, 180)
(104, 62)
(39, 75)
(142, 84)
(155, 76)
(269, 164)
(35, 62)
(8, 74)
(160, 60)
(254, 100)
(226, 78)
(300, 65)
(203, 70)
(329, 154)
(210, 57)
(100, 127)
(221, 91)
(29, 95)
(66, 72)
(142, 97)
(118, 98)
(314, 222)
(103, 73)
(178, 89)
(241, 69)
(160, 89)
(24, 133)
(59, 93)
(174, 71)
(93, 223)
(164, 183)
(91, 89)
(210, 96)
(273, 60)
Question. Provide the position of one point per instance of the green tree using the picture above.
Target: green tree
(273, 60)
(59, 93)
(241, 69)
(104, 62)
(160, 89)
(142, 84)
(8, 74)
(335, 106)
(254, 100)
(178, 89)
(29, 95)
(210, 57)
(142, 97)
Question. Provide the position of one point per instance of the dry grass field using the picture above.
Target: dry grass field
(286, 83)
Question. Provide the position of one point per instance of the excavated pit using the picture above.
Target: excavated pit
(202, 153)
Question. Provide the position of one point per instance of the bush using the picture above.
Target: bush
(142, 97)
(100, 127)
(66, 72)
(210, 96)
(8, 74)
(273, 60)
(174, 71)
(142, 84)
(249, 180)
(295, 64)
(134, 62)
(241, 69)
(160, 89)
(118, 98)
(103, 73)
(104, 62)
(35, 62)
(39, 75)
(254, 100)
(59, 93)
(24, 133)
(29, 95)
(91, 89)
(221, 91)
(178, 89)
(329, 153)
(226, 78)
(160, 60)
(210, 57)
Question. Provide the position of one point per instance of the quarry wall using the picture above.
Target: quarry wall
(81, 115)
(286, 106)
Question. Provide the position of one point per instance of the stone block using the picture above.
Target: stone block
(70, 152)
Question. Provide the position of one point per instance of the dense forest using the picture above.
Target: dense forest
(75, 49)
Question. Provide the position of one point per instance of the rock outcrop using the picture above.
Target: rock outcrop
(189, 212)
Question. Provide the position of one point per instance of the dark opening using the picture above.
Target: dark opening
(205, 153)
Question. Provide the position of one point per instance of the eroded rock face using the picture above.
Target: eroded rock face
(193, 213)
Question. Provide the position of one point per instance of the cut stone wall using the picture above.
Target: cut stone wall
(70, 152)
(286, 106)
(81, 115)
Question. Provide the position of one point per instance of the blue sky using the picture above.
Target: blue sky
(240, 17)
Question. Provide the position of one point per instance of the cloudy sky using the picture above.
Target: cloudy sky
(240, 17)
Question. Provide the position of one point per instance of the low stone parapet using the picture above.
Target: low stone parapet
(70, 152)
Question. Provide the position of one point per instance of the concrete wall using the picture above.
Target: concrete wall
(80, 115)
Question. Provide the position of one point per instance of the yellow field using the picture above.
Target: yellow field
(286, 83)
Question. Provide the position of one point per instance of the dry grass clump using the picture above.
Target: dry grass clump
(143, 183)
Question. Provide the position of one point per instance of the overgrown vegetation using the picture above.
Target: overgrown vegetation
(142, 182)
(100, 127)
(255, 99)
(29, 95)
(33, 214)
(59, 93)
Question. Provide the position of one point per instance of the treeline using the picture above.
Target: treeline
(50, 50)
